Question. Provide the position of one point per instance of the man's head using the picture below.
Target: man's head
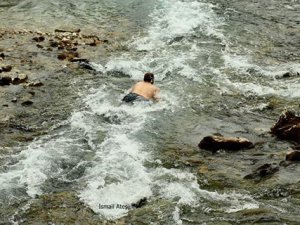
(149, 77)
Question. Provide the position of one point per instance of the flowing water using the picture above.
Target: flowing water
(214, 77)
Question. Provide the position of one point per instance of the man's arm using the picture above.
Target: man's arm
(156, 96)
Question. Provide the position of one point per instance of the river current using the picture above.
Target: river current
(215, 76)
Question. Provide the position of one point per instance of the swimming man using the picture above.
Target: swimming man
(143, 90)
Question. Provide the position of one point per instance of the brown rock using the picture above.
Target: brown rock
(53, 44)
(68, 55)
(62, 56)
(67, 31)
(214, 143)
(293, 156)
(39, 39)
(94, 43)
(60, 47)
(27, 103)
(287, 127)
(2, 55)
(21, 78)
(5, 81)
(36, 84)
(79, 60)
(5, 69)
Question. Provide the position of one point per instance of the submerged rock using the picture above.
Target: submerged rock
(214, 143)
(263, 172)
(293, 156)
(59, 208)
(287, 127)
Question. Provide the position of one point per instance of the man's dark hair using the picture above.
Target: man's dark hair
(149, 77)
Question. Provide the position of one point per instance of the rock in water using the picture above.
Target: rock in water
(5, 69)
(293, 156)
(35, 84)
(5, 81)
(139, 203)
(27, 103)
(39, 39)
(214, 143)
(287, 127)
(264, 171)
(21, 78)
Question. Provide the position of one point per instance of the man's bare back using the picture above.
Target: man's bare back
(146, 89)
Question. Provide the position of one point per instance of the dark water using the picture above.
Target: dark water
(219, 68)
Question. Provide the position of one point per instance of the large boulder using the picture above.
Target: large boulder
(214, 143)
(287, 127)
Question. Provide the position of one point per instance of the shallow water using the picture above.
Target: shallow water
(213, 80)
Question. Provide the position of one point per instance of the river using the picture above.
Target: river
(219, 68)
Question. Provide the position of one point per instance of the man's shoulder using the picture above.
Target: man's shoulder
(139, 83)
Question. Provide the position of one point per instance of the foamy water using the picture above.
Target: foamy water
(103, 135)
(269, 84)
(118, 175)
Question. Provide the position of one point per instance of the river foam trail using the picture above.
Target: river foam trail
(119, 175)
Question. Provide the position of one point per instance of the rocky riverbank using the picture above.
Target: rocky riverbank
(41, 76)
(37, 78)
